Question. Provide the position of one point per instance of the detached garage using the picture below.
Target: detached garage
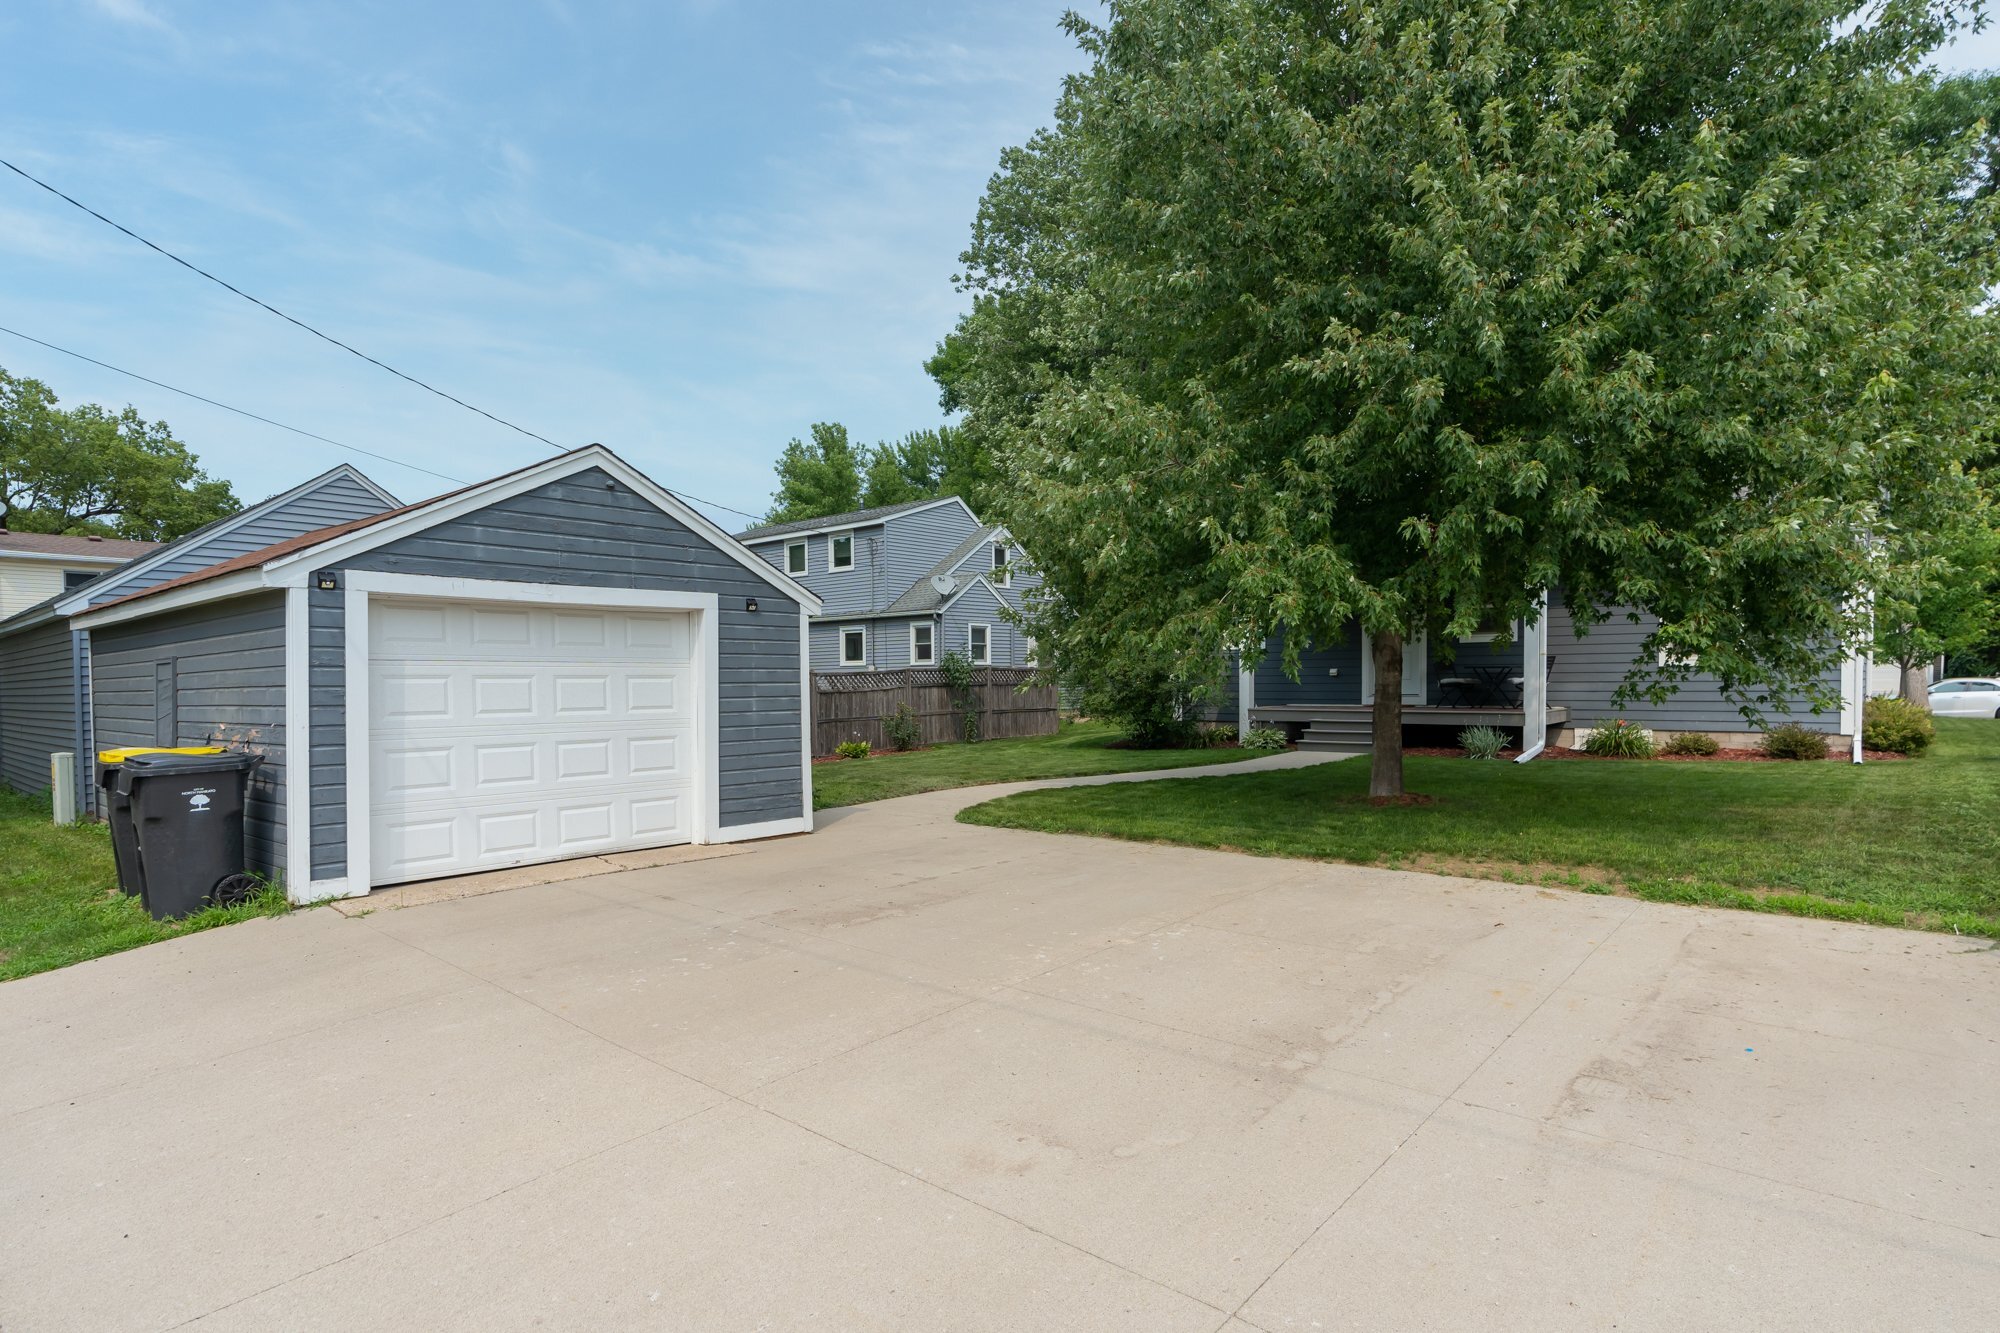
(561, 662)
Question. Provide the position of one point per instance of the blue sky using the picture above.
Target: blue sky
(685, 228)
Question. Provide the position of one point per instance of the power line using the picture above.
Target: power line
(325, 337)
(202, 398)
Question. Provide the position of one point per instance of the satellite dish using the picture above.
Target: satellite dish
(944, 584)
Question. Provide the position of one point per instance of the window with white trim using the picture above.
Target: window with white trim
(978, 644)
(795, 557)
(923, 645)
(840, 551)
(854, 645)
(1489, 628)
(1001, 577)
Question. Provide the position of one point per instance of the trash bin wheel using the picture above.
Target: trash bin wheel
(233, 889)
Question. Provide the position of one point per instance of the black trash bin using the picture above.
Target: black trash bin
(117, 807)
(187, 818)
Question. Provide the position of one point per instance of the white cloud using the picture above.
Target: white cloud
(135, 12)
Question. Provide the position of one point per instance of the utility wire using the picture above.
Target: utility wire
(324, 337)
(202, 398)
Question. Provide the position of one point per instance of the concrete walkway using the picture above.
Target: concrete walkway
(910, 1074)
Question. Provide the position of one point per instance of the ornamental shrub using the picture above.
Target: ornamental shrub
(1794, 741)
(902, 728)
(1896, 725)
(852, 749)
(1265, 738)
(1691, 742)
(1619, 740)
(1215, 738)
(1483, 742)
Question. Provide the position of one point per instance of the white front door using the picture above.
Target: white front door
(1416, 666)
(503, 734)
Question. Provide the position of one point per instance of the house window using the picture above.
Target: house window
(854, 645)
(1000, 575)
(795, 557)
(923, 645)
(977, 639)
(76, 578)
(840, 552)
(1033, 654)
(1489, 629)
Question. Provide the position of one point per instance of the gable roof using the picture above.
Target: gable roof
(852, 519)
(280, 563)
(64, 546)
(921, 596)
(78, 599)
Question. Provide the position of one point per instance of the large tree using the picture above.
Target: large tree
(817, 478)
(832, 475)
(1309, 314)
(84, 469)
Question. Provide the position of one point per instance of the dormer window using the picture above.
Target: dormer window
(795, 557)
(840, 552)
(1000, 575)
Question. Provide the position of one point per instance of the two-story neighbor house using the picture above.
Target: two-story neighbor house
(905, 584)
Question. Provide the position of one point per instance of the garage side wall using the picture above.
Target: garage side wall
(591, 530)
(37, 703)
(211, 674)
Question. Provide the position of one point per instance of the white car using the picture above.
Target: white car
(1966, 697)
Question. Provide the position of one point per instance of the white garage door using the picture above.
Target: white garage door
(502, 734)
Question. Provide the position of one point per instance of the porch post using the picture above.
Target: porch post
(1535, 681)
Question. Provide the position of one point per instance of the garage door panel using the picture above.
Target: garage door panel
(502, 735)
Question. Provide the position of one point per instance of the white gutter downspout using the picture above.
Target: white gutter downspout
(1535, 682)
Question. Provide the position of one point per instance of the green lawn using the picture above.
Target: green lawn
(59, 899)
(1079, 748)
(1914, 842)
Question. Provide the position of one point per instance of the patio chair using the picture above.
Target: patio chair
(1520, 682)
(1464, 687)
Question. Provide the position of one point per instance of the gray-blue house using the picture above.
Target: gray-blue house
(45, 663)
(563, 661)
(904, 584)
(1549, 681)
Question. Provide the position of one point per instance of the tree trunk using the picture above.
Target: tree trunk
(1385, 765)
(1916, 683)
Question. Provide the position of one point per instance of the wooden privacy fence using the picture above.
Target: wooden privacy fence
(850, 705)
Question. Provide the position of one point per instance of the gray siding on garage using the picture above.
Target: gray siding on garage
(338, 499)
(1589, 669)
(591, 530)
(212, 674)
(37, 703)
(326, 620)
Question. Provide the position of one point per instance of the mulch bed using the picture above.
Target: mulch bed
(1835, 755)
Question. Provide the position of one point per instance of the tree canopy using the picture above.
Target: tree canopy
(85, 469)
(1398, 313)
(832, 475)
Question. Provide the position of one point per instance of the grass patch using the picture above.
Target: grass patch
(59, 898)
(1078, 749)
(1911, 844)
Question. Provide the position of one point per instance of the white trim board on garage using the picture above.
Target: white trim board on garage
(363, 587)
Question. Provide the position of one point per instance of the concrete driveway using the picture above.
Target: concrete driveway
(907, 1074)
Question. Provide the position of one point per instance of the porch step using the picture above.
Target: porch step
(1351, 735)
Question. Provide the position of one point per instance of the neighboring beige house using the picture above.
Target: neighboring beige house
(35, 566)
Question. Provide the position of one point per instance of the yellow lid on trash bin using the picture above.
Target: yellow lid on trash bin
(120, 756)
